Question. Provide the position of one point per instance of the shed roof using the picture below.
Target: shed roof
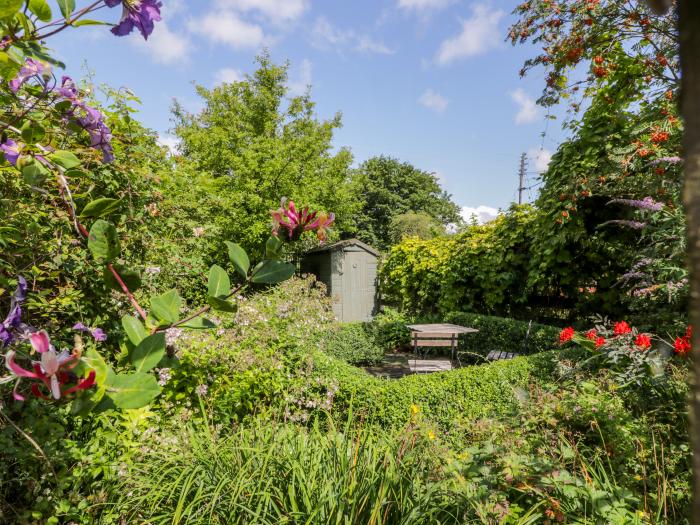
(343, 244)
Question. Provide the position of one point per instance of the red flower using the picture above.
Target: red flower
(681, 346)
(621, 328)
(566, 334)
(591, 334)
(296, 222)
(643, 341)
(600, 341)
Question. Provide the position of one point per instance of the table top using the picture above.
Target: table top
(442, 327)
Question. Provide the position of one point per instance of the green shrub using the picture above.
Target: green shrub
(500, 333)
(352, 343)
(389, 329)
(446, 398)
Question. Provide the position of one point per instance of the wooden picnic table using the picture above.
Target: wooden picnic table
(438, 334)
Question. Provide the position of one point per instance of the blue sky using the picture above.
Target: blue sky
(431, 82)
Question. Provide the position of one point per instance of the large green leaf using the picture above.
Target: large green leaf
(219, 282)
(94, 361)
(166, 307)
(134, 329)
(198, 323)
(220, 304)
(65, 159)
(66, 6)
(35, 173)
(32, 132)
(9, 7)
(148, 352)
(8, 67)
(131, 278)
(103, 241)
(273, 248)
(100, 207)
(271, 272)
(239, 258)
(132, 390)
(41, 9)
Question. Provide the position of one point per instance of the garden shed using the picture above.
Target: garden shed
(349, 270)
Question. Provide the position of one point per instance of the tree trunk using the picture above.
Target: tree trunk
(689, 15)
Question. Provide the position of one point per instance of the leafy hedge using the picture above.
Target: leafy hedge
(446, 398)
(353, 343)
(500, 333)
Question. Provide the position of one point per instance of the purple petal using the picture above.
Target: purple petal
(80, 327)
(10, 150)
(98, 334)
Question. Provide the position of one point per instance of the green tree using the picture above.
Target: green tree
(385, 188)
(250, 145)
(411, 224)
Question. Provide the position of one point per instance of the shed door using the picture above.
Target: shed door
(359, 275)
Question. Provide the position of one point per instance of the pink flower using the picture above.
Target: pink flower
(296, 222)
(53, 370)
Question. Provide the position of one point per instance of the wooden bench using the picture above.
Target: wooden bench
(496, 355)
(433, 339)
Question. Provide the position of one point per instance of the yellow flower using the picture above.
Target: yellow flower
(431, 435)
(414, 409)
(638, 478)
(641, 514)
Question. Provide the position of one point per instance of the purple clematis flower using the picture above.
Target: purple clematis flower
(89, 118)
(10, 149)
(30, 68)
(97, 333)
(13, 322)
(140, 14)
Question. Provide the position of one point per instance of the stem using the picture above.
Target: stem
(125, 289)
(69, 21)
(205, 309)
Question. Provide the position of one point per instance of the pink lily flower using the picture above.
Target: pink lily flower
(297, 222)
(53, 369)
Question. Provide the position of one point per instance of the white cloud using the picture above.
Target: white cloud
(420, 5)
(225, 27)
(479, 34)
(228, 75)
(540, 158)
(528, 111)
(169, 141)
(302, 79)
(326, 36)
(483, 214)
(164, 46)
(432, 100)
(275, 10)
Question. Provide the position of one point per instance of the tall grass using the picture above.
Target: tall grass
(275, 474)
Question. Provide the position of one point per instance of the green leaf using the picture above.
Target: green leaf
(103, 241)
(35, 173)
(239, 258)
(132, 278)
(219, 283)
(41, 9)
(8, 8)
(94, 361)
(32, 132)
(132, 390)
(134, 329)
(8, 67)
(221, 304)
(148, 352)
(272, 272)
(66, 6)
(87, 22)
(166, 307)
(273, 248)
(198, 323)
(100, 207)
(65, 159)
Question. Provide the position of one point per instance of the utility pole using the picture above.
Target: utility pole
(521, 175)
